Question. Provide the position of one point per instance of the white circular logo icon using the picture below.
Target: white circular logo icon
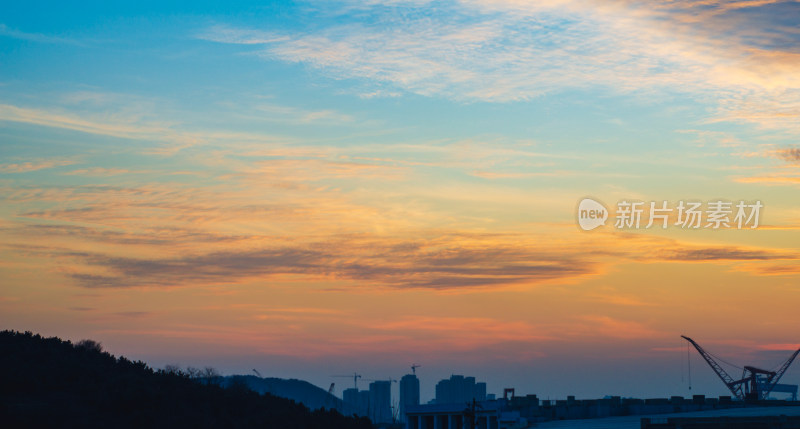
(591, 214)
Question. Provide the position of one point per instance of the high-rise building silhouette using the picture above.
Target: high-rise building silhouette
(363, 403)
(459, 389)
(409, 394)
(356, 402)
(380, 401)
(350, 397)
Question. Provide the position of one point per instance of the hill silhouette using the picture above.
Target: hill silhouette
(300, 391)
(48, 382)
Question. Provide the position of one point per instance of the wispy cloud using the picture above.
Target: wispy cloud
(394, 264)
(707, 254)
(223, 34)
(615, 298)
(295, 115)
(770, 180)
(34, 37)
(28, 166)
(519, 175)
(509, 50)
(161, 133)
(450, 262)
(59, 119)
(786, 269)
(101, 172)
(280, 218)
(780, 347)
(605, 326)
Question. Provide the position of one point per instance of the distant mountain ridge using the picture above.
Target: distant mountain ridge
(300, 391)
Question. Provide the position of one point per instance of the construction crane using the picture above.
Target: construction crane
(330, 397)
(391, 380)
(414, 367)
(755, 383)
(258, 373)
(355, 376)
(395, 412)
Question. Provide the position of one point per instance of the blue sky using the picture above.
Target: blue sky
(322, 185)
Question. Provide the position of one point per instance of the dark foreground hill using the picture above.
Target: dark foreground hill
(300, 391)
(47, 382)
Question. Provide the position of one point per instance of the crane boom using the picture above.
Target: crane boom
(330, 397)
(355, 376)
(778, 374)
(755, 384)
(734, 386)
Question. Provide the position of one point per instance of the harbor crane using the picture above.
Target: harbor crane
(755, 383)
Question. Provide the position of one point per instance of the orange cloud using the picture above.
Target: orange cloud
(780, 347)
(606, 326)
(770, 180)
(770, 269)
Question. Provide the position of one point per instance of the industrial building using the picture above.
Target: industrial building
(758, 422)
(485, 415)
(514, 412)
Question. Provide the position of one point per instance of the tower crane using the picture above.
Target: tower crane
(391, 380)
(355, 376)
(755, 383)
(414, 367)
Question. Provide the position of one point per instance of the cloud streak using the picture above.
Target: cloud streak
(28, 166)
(449, 262)
(439, 265)
(500, 51)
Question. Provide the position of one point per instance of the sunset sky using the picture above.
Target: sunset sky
(313, 188)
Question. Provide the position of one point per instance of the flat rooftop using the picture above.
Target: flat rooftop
(633, 422)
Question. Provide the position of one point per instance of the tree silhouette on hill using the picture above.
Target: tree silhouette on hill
(48, 382)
